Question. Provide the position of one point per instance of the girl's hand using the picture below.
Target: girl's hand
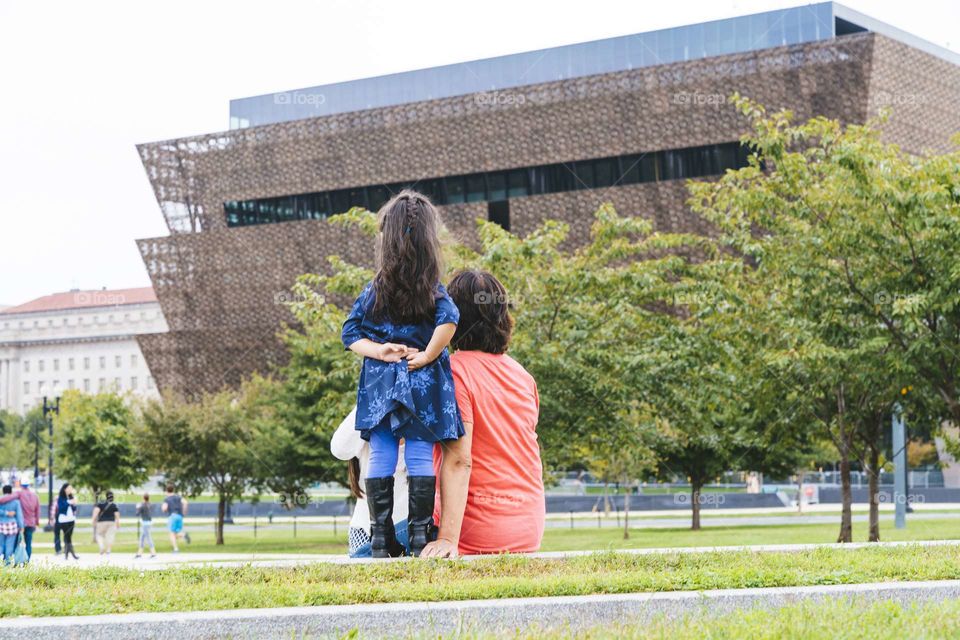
(417, 361)
(391, 352)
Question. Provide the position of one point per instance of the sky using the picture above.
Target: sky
(82, 82)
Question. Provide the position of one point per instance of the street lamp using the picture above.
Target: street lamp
(48, 411)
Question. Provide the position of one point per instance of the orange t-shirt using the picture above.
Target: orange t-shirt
(505, 508)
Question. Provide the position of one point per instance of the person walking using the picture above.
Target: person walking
(30, 505)
(175, 506)
(106, 523)
(66, 511)
(11, 522)
(145, 513)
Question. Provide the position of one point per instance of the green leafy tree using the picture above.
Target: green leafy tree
(207, 444)
(95, 439)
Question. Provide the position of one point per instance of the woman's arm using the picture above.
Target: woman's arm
(454, 483)
(96, 513)
(346, 443)
(388, 351)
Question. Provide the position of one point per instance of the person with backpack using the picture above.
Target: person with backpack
(106, 523)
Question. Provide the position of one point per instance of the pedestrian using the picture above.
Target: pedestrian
(106, 523)
(66, 519)
(30, 505)
(11, 522)
(145, 513)
(175, 506)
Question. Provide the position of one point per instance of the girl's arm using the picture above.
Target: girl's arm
(442, 336)
(388, 351)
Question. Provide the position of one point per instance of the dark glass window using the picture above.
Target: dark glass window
(496, 186)
(499, 212)
(476, 190)
(455, 189)
(584, 175)
(378, 197)
(517, 183)
(603, 172)
(340, 201)
(499, 186)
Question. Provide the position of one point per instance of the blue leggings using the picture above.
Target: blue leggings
(385, 451)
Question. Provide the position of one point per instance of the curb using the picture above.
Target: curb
(441, 618)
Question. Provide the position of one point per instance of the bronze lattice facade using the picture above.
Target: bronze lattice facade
(221, 287)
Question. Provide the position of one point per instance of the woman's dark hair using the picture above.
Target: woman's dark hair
(109, 496)
(485, 322)
(146, 497)
(63, 490)
(353, 476)
(7, 489)
(408, 259)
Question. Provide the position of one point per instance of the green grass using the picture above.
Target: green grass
(72, 591)
(312, 539)
(837, 619)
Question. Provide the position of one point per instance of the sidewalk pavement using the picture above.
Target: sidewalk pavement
(503, 616)
(170, 560)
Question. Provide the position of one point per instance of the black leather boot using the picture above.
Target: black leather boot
(383, 537)
(420, 518)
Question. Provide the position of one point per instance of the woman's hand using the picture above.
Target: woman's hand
(440, 548)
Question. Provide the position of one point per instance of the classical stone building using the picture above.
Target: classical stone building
(516, 139)
(84, 340)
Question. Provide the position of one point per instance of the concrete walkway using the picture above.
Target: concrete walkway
(505, 616)
(169, 560)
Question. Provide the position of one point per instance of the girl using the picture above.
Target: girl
(401, 325)
(145, 513)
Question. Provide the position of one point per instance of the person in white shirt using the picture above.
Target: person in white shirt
(346, 444)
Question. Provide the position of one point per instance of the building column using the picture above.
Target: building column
(5, 384)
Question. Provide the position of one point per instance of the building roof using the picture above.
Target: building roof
(78, 299)
(494, 76)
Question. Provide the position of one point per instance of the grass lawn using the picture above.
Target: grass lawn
(313, 539)
(837, 619)
(72, 591)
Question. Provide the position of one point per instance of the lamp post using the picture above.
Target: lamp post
(48, 411)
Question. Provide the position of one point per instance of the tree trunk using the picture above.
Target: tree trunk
(800, 476)
(695, 486)
(846, 520)
(221, 515)
(874, 484)
(626, 515)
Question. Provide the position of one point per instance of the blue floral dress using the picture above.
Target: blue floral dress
(418, 405)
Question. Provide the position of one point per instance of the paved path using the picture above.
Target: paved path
(503, 616)
(169, 560)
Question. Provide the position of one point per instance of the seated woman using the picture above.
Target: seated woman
(491, 479)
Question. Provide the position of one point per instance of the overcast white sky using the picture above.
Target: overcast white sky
(82, 82)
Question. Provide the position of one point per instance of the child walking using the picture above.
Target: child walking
(145, 513)
(401, 324)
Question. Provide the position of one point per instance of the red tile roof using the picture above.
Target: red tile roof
(83, 299)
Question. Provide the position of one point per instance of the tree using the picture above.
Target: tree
(95, 438)
(207, 444)
(854, 240)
